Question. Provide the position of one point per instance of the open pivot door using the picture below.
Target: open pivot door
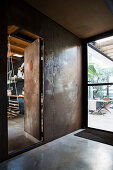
(32, 122)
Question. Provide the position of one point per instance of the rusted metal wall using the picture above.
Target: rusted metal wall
(32, 89)
(62, 70)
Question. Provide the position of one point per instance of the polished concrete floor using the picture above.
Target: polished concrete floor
(17, 138)
(67, 153)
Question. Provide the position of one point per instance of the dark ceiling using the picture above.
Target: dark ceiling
(84, 18)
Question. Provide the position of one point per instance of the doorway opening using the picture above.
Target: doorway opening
(25, 60)
(100, 84)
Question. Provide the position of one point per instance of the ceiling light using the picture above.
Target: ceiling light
(17, 55)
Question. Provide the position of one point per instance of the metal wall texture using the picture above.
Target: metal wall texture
(32, 89)
(62, 70)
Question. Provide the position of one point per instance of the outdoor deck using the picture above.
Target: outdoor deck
(101, 121)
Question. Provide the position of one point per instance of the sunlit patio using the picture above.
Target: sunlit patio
(101, 121)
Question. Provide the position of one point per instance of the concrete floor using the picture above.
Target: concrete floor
(17, 138)
(103, 122)
(67, 153)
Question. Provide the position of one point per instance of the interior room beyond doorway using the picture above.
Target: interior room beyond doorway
(18, 136)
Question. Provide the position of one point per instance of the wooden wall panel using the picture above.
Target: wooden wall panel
(62, 70)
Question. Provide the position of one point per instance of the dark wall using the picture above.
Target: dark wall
(62, 69)
(3, 82)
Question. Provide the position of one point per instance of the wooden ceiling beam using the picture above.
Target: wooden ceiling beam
(17, 48)
(12, 29)
(17, 45)
(16, 51)
(18, 42)
(29, 34)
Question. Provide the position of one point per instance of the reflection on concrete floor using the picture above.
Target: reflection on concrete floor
(66, 153)
(17, 138)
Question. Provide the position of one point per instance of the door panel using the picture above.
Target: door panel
(32, 89)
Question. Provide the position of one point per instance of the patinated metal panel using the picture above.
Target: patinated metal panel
(62, 70)
(32, 89)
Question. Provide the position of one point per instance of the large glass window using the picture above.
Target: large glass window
(100, 85)
(100, 107)
(100, 68)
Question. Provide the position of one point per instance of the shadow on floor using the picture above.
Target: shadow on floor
(97, 135)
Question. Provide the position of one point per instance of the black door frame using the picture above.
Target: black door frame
(3, 82)
(85, 74)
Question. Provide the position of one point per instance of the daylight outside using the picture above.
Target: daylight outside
(100, 87)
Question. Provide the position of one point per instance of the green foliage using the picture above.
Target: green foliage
(97, 74)
(92, 72)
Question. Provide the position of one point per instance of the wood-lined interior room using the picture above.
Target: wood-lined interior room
(18, 86)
